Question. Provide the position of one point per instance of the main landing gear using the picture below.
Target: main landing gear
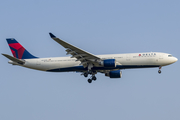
(159, 71)
(93, 77)
(91, 72)
(85, 74)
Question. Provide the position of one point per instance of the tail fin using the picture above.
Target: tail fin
(18, 50)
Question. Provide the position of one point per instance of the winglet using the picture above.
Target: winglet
(52, 36)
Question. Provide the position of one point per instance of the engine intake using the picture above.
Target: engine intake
(109, 63)
(114, 74)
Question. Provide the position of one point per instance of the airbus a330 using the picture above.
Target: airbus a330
(86, 63)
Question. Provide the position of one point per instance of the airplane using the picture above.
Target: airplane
(85, 62)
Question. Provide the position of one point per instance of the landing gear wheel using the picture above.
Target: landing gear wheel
(159, 71)
(94, 78)
(89, 81)
(85, 74)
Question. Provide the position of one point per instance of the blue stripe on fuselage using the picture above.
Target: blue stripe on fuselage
(81, 68)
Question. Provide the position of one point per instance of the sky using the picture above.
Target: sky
(99, 27)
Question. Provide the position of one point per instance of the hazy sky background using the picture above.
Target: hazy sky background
(99, 27)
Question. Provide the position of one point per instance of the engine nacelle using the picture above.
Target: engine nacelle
(109, 63)
(114, 74)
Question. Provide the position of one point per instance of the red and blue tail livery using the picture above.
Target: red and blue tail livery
(18, 50)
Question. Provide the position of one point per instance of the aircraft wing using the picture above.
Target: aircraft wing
(79, 54)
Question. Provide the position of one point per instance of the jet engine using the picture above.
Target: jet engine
(114, 74)
(108, 63)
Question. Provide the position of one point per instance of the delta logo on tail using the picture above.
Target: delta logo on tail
(18, 50)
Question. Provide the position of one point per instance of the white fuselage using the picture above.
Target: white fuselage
(131, 60)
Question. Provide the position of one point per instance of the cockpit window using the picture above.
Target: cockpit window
(169, 55)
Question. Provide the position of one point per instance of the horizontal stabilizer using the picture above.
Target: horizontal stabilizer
(14, 59)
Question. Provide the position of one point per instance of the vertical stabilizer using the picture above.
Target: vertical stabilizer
(18, 50)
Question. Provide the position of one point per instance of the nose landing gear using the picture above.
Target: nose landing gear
(159, 71)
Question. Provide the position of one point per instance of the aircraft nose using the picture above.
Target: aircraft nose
(175, 59)
(172, 60)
